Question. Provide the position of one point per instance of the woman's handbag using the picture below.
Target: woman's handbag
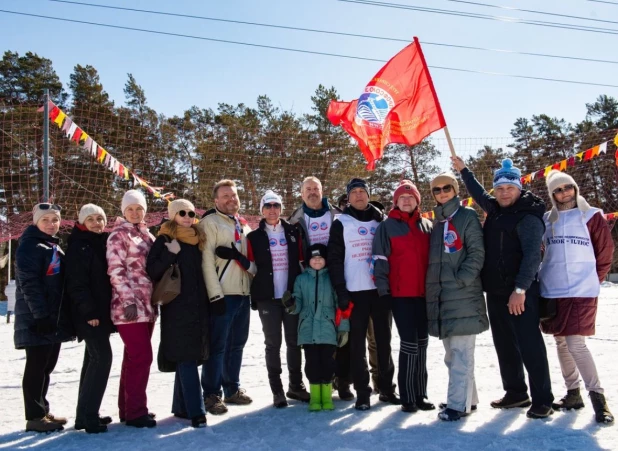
(168, 288)
(548, 308)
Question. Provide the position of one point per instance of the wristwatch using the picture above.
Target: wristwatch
(520, 290)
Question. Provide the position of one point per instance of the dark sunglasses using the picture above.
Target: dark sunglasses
(443, 189)
(49, 207)
(564, 190)
(183, 213)
(269, 206)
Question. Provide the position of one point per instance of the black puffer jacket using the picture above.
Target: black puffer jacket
(39, 272)
(184, 321)
(87, 283)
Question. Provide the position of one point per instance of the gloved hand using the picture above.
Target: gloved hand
(217, 308)
(254, 305)
(232, 253)
(343, 314)
(342, 339)
(387, 301)
(173, 246)
(44, 326)
(130, 312)
(288, 301)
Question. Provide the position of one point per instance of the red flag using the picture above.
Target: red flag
(399, 105)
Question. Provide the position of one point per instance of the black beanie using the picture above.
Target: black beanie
(356, 183)
(316, 250)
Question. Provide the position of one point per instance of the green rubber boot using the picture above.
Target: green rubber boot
(315, 402)
(327, 397)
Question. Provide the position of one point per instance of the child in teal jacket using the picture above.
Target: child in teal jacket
(314, 299)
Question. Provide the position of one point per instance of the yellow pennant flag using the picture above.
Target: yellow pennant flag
(616, 140)
(580, 155)
(84, 137)
(103, 155)
(60, 118)
(547, 169)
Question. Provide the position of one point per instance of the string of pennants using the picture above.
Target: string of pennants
(585, 155)
(76, 134)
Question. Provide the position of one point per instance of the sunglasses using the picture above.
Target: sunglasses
(442, 189)
(564, 190)
(183, 213)
(270, 206)
(46, 206)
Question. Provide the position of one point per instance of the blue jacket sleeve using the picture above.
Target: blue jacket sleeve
(484, 200)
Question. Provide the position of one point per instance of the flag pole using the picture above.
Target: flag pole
(450, 142)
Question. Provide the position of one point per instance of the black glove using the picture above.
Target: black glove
(232, 253)
(44, 326)
(217, 308)
(387, 301)
(254, 305)
(344, 303)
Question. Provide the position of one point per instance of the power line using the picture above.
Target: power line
(448, 12)
(601, 1)
(545, 13)
(337, 33)
(288, 49)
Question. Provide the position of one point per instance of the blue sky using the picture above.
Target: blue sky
(177, 73)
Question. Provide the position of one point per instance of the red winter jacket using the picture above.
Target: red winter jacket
(401, 254)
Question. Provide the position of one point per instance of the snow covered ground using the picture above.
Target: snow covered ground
(262, 427)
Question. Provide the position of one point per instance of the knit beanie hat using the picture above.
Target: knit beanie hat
(133, 197)
(179, 204)
(356, 183)
(316, 250)
(342, 198)
(406, 187)
(446, 178)
(270, 197)
(38, 212)
(507, 174)
(88, 210)
(555, 179)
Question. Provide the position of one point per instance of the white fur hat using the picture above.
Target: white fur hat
(555, 179)
(90, 209)
(133, 197)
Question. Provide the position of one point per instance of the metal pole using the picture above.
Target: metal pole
(46, 147)
(9, 262)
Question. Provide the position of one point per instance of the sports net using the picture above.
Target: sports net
(183, 157)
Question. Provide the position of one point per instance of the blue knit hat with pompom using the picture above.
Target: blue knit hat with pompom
(507, 174)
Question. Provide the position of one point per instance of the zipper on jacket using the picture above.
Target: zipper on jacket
(316, 291)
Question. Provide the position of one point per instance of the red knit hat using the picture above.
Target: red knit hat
(406, 187)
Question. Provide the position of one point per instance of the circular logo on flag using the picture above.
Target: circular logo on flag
(373, 106)
(272, 242)
(323, 226)
(314, 226)
(450, 238)
(372, 230)
(362, 231)
(283, 242)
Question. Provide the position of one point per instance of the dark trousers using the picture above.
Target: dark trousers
(228, 336)
(343, 370)
(188, 400)
(135, 372)
(518, 342)
(40, 362)
(410, 316)
(273, 316)
(93, 380)
(319, 363)
(367, 304)
(372, 350)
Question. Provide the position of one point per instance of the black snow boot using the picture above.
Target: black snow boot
(601, 410)
(572, 400)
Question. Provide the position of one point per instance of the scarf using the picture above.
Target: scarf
(186, 235)
(452, 240)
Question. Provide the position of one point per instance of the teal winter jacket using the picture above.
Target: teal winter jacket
(316, 303)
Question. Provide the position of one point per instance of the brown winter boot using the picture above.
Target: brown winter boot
(572, 400)
(43, 425)
(601, 410)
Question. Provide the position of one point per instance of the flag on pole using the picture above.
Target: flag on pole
(398, 105)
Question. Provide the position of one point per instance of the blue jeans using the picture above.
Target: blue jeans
(187, 391)
(228, 336)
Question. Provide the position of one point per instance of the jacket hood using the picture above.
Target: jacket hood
(443, 211)
(396, 213)
(369, 214)
(33, 232)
